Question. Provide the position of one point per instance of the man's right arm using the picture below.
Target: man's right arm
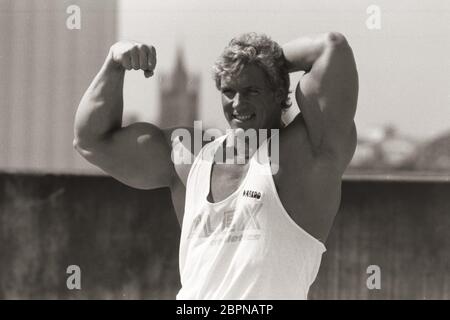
(138, 155)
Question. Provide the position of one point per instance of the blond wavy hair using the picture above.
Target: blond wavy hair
(260, 50)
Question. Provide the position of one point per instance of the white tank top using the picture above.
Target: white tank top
(245, 246)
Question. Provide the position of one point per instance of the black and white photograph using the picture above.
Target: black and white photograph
(224, 150)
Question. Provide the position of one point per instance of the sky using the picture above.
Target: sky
(404, 67)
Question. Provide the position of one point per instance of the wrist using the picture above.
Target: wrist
(294, 58)
(302, 53)
(112, 65)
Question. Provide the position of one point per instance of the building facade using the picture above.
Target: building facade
(45, 68)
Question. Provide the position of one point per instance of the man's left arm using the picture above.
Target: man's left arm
(327, 93)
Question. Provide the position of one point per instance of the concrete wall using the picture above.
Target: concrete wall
(401, 226)
(126, 240)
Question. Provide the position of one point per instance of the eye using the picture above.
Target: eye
(254, 92)
(229, 93)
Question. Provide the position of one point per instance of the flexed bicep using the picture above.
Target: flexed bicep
(137, 155)
(327, 95)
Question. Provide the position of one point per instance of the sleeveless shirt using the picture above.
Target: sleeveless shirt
(245, 246)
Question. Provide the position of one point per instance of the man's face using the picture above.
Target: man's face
(248, 101)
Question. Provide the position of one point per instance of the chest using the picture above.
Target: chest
(225, 179)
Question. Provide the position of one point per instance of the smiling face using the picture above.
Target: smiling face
(248, 100)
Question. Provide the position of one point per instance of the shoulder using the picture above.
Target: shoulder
(296, 143)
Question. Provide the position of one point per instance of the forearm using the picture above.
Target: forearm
(101, 108)
(302, 53)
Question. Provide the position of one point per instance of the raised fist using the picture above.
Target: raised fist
(134, 55)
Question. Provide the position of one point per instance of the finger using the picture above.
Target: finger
(152, 58)
(134, 53)
(126, 61)
(143, 52)
(148, 73)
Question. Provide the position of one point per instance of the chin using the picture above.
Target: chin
(244, 125)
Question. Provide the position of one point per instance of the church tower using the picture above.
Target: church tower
(178, 96)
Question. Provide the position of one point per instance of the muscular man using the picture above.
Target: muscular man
(248, 231)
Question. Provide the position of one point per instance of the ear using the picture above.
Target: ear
(279, 96)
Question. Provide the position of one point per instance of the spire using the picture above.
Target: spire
(179, 94)
(179, 62)
(179, 76)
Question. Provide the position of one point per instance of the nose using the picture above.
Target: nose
(236, 100)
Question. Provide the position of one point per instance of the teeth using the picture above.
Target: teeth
(243, 117)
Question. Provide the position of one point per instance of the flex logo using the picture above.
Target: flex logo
(210, 221)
